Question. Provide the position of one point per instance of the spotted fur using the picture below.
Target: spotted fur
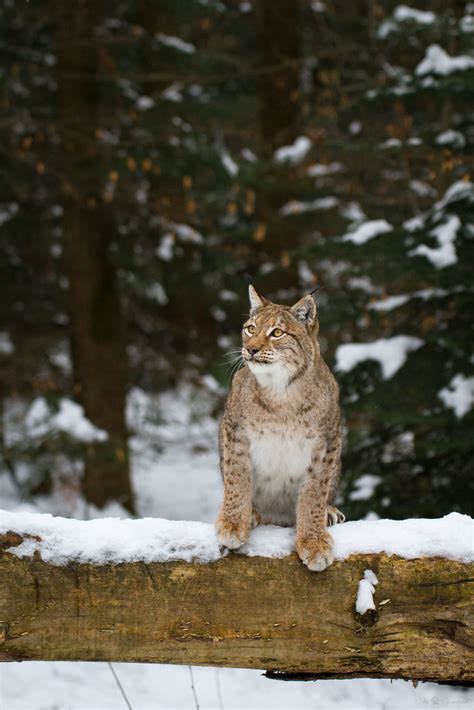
(280, 436)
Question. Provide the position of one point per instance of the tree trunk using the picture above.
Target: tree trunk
(249, 612)
(279, 83)
(278, 31)
(98, 347)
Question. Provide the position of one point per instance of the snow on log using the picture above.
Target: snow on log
(165, 592)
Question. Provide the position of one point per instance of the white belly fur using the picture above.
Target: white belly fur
(279, 462)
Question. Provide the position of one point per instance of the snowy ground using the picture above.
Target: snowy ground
(183, 482)
(92, 686)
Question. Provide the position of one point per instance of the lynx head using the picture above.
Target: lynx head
(279, 342)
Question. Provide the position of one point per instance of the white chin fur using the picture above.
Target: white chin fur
(271, 375)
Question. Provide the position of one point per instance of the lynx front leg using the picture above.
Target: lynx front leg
(313, 542)
(235, 517)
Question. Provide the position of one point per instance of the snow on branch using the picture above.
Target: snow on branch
(112, 540)
(390, 353)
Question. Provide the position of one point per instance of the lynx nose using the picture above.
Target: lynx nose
(253, 350)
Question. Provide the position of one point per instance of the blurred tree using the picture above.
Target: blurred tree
(98, 348)
(279, 73)
(279, 36)
(190, 104)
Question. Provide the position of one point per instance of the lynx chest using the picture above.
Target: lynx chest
(279, 460)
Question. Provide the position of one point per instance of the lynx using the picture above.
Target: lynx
(280, 436)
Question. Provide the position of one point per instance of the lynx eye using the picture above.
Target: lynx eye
(277, 333)
(250, 329)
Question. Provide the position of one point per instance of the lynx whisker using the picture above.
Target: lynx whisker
(234, 367)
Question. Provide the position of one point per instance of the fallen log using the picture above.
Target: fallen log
(240, 611)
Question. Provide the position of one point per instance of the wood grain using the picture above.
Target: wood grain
(245, 612)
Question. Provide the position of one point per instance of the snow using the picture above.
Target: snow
(421, 188)
(6, 345)
(322, 169)
(445, 254)
(459, 190)
(305, 274)
(7, 212)
(391, 302)
(390, 143)
(294, 153)
(390, 353)
(450, 537)
(226, 295)
(270, 541)
(150, 686)
(173, 92)
(174, 453)
(229, 164)
(414, 223)
(165, 249)
(364, 487)
(403, 13)
(459, 395)
(112, 540)
(184, 232)
(363, 283)
(69, 419)
(437, 61)
(60, 357)
(218, 314)
(386, 28)
(353, 211)
(399, 446)
(115, 540)
(182, 480)
(144, 103)
(176, 43)
(451, 137)
(364, 232)
(320, 203)
(466, 23)
(248, 155)
(365, 592)
(157, 293)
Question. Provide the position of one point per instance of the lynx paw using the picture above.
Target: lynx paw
(316, 553)
(256, 518)
(230, 534)
(334, 515)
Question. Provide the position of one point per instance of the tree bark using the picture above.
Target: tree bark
(249, 612)
(98, 347)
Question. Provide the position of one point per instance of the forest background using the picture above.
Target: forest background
(155, 157)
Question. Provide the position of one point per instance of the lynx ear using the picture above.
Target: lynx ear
(305, 311)
(255, 300)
